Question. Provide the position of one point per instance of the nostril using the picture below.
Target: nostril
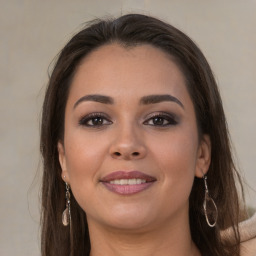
(126, 155)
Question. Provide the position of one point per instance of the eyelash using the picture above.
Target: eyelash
(84, 121)
(166, 118)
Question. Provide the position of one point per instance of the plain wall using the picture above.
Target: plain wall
(33, 32)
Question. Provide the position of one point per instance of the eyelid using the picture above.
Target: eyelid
(166, 115)
(88, 117)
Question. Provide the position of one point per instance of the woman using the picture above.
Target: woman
(135, 147)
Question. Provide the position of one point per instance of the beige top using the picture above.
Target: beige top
(248, 236)
(247, 230)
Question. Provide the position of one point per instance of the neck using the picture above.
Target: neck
(171, 239)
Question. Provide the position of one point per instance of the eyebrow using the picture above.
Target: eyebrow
(96, 98)
(153, 99)
(145, 100)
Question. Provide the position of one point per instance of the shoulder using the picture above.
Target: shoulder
(248, 236)
(247, 231)
(248, 248)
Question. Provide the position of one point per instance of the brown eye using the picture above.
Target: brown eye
(161, 120)
(95, 120)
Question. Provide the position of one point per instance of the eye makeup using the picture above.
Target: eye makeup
(95, 120)
(161, 119)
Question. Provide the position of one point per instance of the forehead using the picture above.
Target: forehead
(139, 70)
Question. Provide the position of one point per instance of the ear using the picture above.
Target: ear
(203, 156)
(63, 162)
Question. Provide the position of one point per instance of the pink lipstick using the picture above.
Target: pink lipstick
(127, 183)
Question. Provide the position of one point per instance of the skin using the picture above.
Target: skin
(154, 221)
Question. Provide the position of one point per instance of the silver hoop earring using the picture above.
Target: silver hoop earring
(210, 208)
(66, 215)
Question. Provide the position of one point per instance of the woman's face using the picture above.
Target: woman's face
(131, 147)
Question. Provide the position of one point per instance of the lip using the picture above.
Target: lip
(127, 189)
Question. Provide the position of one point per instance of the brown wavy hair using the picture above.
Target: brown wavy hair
(131, 30)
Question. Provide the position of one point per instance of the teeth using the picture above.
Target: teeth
(127, 181)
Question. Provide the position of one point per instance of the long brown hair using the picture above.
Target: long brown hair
(132, 30)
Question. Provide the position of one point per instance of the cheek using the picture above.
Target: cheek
(177, 149)
(84, 152)
(176, 157)
(84, 159)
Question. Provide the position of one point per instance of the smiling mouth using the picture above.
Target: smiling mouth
(127, 183)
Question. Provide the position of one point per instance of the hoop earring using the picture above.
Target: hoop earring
(66, 215)
(210, 208)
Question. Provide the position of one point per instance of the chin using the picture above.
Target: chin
(131, 223)
(126, 218)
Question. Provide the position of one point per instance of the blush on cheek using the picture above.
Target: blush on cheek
(178, 166)
(81, 191)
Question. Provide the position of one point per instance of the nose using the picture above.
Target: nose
(128, 145)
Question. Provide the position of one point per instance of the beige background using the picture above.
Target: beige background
(32, 32)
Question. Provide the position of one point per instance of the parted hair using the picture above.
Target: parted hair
(131, 30)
